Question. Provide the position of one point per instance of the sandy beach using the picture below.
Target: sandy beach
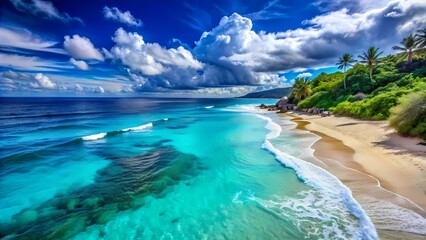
(378, 165)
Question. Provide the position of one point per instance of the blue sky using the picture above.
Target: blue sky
(187, 48)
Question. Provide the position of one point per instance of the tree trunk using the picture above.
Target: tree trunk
(344, 80)
(410, 56)
(371, 73)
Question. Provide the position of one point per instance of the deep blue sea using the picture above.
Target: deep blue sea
(135, 168)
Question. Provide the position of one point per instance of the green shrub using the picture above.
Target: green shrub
(327, 82)
(312, 100)
(323, 99)
(376, 108)
(359, 83)
(409, 117)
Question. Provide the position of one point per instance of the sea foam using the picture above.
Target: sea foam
(102, 135)
(274, 128)
(320, 179)
(94, 137)
(138, 128)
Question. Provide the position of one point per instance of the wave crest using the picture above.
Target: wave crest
(94, 136)
(103, 134)
(138, 128)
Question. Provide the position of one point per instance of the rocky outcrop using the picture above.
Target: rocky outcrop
(268, 107)
(282, 106)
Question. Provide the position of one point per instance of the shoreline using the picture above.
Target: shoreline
(388, 165)
(385, 176)
(399, 172)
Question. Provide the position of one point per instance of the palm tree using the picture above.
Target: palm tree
(370, 57)
(301, 88)
(344, 62)
(407, 46)
(420, 38)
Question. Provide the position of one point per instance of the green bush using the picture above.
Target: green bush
(359, 83)
(409, 117)
(327, 82)
(323, 99)
(376, 108)
(312, 100)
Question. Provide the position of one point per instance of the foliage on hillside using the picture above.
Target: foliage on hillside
(392, 80)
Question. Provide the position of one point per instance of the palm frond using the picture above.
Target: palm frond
(399, 48)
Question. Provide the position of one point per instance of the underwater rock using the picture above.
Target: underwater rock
(91, 202)
(27, 217)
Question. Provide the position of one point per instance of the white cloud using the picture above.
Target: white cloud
(80, 64)
(27, 63)
(78, 88)
(44, 9)
(10, 80)
(304, 75)
(240, 54)
(272, 10)
(24, 39)
(154, 68)
(99, 89)
(149, 58)
(82, 48)
(21, 81)
(124, 17)
(43, 81)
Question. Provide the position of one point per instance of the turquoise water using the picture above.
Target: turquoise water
(163, 169)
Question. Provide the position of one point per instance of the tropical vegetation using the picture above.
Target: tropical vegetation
(408, 46)
(344, 62)
(371, 57)
(301, 88)
(397, 92)
(420, 39)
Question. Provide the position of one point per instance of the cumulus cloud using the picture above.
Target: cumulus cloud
(80, 64)
(43, 9)
(151, 66)
(149, 58)
(42, 81)
(304, 75)
(237, 53)
(155, 68)
(82, 48)
(24, 39)
(10, 80)
(235, 47)
(124, 17)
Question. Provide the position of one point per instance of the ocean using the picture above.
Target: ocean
(140, 168)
